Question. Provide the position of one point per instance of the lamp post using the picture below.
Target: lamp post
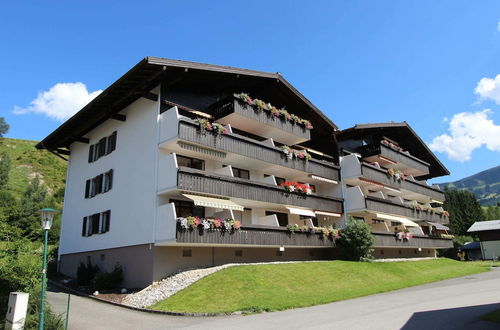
(47, 215)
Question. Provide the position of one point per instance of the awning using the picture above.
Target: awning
(217, 203)
(404, 221)
(307, 213)
(438, 226)
(407, 223)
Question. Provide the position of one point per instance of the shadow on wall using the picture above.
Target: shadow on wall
(453, 318)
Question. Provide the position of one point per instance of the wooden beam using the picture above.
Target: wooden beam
(119, 117)
(62, 151)
(55, 153)
(150, 96)
(81, 139)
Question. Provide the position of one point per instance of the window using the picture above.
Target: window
(99, 184)
(94, 224)
(108, 180)
(187, 253)
(241, 173)
(238, 253)
(97, 223)
(186, 209)
(313, 219)
(279, 180)
(282, 217)
(191, 162)
(105, 146)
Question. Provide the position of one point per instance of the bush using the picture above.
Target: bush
(86, 273)
(356, 241)
(109, 281)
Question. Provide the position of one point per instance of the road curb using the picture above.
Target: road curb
(81, 294)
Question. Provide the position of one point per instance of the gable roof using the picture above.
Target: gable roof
(484, 226)
(144, 76)
(404, 135)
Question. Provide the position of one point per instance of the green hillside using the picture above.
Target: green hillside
(485, 185)
(28, 162)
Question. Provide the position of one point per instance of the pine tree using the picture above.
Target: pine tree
(34, 198)
(4, 127)
(464, 210)
(4, 170)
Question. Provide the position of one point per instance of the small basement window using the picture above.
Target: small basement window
(187, 253)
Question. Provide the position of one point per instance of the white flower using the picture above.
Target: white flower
(206, 224)
(291, 188)
(308, 191)
(183, 223)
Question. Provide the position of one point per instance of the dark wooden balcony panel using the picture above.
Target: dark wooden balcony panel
(236, 106)
(397, 156)
(253, 236)
(380, 175)
(385, 206)
(390, 240)
(199, 181)
(247, 147)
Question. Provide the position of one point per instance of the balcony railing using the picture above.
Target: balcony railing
(254, 235)
(380, 175)
(378, 149)
(390, 240)
(246, 117)
(388, 207)
(202, 182)
(241, 145)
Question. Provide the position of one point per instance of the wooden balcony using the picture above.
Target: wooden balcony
(388, 207)
(246, 117)
(380, 175)
(254, 236)
(246, 147)
(199, 181)
(397, 159)
(390, 240)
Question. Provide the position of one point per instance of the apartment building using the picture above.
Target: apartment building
(180, 165)
(384, 171)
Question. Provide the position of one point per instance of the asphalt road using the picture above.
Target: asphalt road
(450, 304)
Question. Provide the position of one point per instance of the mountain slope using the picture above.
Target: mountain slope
(28, 162)
(485, 185)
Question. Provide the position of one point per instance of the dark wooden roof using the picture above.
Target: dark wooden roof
(150, 71)
(404, 135)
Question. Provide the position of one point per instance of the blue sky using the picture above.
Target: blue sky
(431, 63)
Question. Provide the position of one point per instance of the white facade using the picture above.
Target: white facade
(132, 199)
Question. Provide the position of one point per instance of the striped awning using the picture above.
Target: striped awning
(217, 203)
(438, 226)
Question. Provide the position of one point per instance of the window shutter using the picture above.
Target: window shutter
(106, 218)
(110, 179)
(89, 226)
(87, 189)
(102, 147)
(112, 142)
(100, 181)
(84, 227)
(91, 153)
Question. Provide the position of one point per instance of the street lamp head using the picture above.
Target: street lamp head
(47, 216)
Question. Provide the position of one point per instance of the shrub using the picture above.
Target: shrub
(108, 281)
(356, 241)
(86, 273)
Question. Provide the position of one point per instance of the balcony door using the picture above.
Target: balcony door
(282, 217)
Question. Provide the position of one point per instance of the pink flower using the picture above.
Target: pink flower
(301, 155)
(225, 131)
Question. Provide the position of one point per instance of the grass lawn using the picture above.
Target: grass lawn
(493, 316)
(282, 286)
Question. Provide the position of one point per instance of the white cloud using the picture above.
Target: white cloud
(467, 132)
(489, 89)
(498, 26)
(60, 102)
